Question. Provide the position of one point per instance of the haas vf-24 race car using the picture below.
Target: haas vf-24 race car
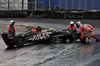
(45, 36)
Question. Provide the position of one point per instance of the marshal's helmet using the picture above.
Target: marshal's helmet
(72, 23)
(12, 22)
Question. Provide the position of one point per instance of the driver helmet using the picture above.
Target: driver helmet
(12, 22)
(52, 29)
(39, 26)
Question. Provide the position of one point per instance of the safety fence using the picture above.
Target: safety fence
(49, 5)
(13, 4)
(48, 9)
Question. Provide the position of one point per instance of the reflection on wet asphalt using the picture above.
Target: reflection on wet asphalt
(57, 54)
(84, 55)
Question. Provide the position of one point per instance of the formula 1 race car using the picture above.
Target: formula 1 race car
(45, 36)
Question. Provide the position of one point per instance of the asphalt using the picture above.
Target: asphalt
(53, 54)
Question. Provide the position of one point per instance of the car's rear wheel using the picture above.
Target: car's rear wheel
(19, 41)
(73, 36)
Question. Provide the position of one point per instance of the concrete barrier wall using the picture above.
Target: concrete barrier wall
(13, 14)
(51, 14)
(74, 15)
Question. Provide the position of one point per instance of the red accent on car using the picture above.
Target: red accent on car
(34, 30)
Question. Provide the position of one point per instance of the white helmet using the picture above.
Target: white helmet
(71, 22)
(52, 29)
(12, 21)
(78, 23)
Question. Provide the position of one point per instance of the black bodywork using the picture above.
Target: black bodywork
(39, 37)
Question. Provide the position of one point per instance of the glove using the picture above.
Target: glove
(97, 40)
(82, 38)
(89, 40)
(67, 30)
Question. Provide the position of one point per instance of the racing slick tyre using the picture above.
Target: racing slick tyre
(19, 41)
(73, 36)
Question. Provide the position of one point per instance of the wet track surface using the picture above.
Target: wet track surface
(52, 54)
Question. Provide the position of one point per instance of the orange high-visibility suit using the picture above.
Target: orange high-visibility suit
(86, 28)
(11, 29)
(74, 27)
(83, 30)
(90, 26)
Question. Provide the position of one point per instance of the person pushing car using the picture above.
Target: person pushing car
(86, 30)
(71, 26)
(90, 26)
(78, 24)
